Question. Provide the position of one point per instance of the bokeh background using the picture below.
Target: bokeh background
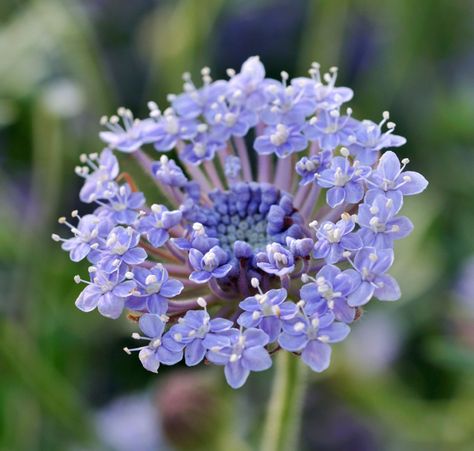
(405, 378)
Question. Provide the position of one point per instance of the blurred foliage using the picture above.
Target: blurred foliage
(64, 63)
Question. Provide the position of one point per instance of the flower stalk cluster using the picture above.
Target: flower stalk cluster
(280, 215)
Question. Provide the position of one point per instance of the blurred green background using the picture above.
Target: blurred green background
(404, 380)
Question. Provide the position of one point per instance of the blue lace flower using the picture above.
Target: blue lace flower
(276, 260)
(389, 178)
(369, 139)
(100, 181)
(89, 233)
(153, 290)
(266, 311)
(162, 349)
(379, 225)
(330, 129)
(127, 137)
(345, 181)
(121, 249)
(211, 264)
(370, 279)
(244, 353)
(282, 140)
(123, 204)
(106, 292)
(168, 172)
(307, 168)
(155, 225)
(215, 262)
(199, 333)
(328, 292)
(332, 240)
(311, 335)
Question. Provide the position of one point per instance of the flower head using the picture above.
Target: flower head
(269, 230)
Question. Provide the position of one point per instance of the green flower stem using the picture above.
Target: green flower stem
(285, 406)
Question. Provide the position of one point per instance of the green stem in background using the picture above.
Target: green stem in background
(285, 406)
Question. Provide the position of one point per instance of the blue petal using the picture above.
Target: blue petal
(236, 374)
(361, 295)
(149, 359)
(256, 359)
(151, 325)
(317, 355)
(194, 352)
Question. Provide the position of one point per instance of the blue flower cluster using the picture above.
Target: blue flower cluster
(247, 253)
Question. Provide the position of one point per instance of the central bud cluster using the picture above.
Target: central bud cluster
(248, 217)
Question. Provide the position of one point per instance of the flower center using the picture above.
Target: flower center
(255, 213)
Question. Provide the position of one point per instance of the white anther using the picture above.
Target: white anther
(136, 336)
(254, 282)
(129, 275)
(230, 72)
(405, 161)
(77, 278)
(103, 120)
(374, 210)
(201, 302)
(233, 358)
(62, 220)
(202, 128)
(391, 125)
(345, 216)
(323, 339)
(305, 278)
(199, 149)
(127, 351)
(344, 152)
(151, 278)
(74, 213)
(313, 224)
(346, 254)
(386, 115)
(280, 136)
(256, 315)
(373, 257)
(156, 208)
(298, 327)
(177, 336)
(55, 237)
